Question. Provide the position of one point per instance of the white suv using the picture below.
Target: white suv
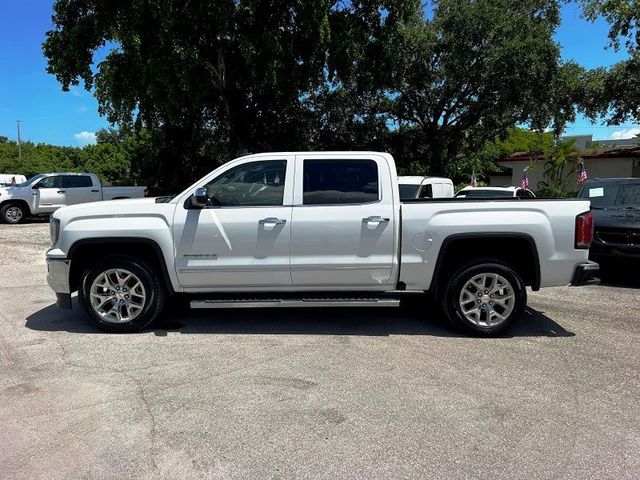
(494, 192)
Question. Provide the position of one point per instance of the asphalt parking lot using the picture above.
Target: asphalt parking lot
(314, 393)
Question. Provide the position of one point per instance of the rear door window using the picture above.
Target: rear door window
(330, 182)
(76, 181)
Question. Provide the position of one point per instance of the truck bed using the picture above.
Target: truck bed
(548, 225)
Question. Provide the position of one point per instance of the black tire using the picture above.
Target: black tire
(153, 288)
(9, 216)
(451, 300)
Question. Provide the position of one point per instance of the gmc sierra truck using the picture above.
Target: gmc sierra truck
(314, 230)
(45, 193)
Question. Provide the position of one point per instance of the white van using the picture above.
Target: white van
(425, 187)
(8, 179)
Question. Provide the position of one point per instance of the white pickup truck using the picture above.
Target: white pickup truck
(45, 193)
(314, 230)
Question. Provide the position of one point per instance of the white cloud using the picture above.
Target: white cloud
(75, 90)
(626, 133)
(82, 109)
(85, 138)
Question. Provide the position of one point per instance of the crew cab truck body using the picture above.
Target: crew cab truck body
(45, 193)
(314, 229)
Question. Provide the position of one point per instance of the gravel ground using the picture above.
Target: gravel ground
(24, 244)
(306, 394)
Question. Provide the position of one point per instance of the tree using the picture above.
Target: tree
(208, 80)
(231, 73)
(484, 160)
(615, 93)
(562, 162)
(218, 78)
(622, 15)
(473, 70)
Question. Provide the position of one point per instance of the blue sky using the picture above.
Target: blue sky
(47, 114)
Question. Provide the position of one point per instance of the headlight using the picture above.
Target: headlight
(54, 230)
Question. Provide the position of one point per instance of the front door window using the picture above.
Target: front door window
(254, 184)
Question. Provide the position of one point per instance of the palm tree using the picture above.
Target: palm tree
(562, 163)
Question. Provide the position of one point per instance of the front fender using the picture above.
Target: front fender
(153, 230)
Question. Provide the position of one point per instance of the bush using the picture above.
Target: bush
(549, 192)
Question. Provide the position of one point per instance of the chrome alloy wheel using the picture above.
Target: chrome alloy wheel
(117, 295)
(14, 214)
(487, 299)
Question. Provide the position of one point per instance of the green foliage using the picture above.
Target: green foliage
(561, 165)
(614, 93)
(472, 71)
(111, 162)
(484, 160)
(548, 192)
(622, 15)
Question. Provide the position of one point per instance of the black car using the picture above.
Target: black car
(615, 205)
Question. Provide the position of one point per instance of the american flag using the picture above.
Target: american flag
(524, 182)
(582, 174)
(474, 180)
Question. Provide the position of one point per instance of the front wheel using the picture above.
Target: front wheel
(484, 298)
(121, 294)
(13, 213)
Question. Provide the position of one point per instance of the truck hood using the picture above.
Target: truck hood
(112, 208)
(616, 218)
(12, 191)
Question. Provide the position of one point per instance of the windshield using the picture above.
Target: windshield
(612, 194)
(31, 180)
(480, 193)
(408, 191)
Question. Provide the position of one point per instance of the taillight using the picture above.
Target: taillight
(584, 230)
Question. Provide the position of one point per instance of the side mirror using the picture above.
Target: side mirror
(199, 199)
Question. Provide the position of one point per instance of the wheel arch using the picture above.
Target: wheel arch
(19, 201)
(517, 250)
(86, 252)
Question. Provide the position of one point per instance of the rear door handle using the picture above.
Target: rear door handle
(62, 191)
(272, 221)
(375, 219)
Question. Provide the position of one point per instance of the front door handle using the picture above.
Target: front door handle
(62, 191)
(95, 191)
(272, 221)
(375, 219)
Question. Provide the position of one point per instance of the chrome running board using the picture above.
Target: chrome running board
(296, 303)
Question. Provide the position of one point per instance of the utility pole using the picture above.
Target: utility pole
(19, 147)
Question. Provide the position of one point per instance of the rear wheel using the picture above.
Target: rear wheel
(484, 297)
(121, 294)
(13, 213)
